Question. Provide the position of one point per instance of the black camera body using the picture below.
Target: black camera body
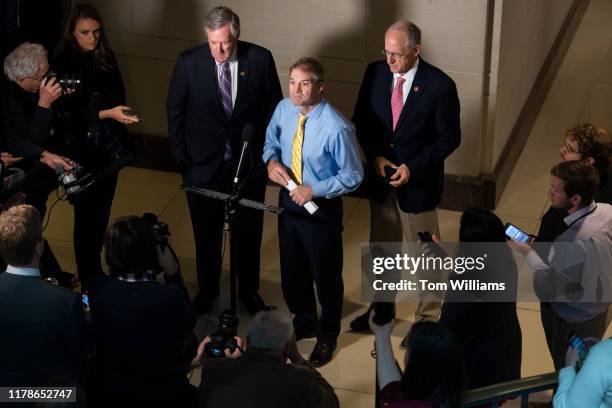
(66, 81)
(224, 337)
(160, 229)
(73, 180)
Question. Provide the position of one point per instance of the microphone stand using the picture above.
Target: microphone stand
(232, 201)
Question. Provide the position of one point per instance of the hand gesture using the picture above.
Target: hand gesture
(119, 114)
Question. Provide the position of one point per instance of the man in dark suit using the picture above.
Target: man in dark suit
(44, 335)
(216, 89)
(407, 119)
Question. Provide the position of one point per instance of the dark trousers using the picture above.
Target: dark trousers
(311, 252)
(91, 214)
(557, 331)
(207, 219)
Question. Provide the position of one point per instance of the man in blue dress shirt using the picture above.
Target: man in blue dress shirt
(312, 149)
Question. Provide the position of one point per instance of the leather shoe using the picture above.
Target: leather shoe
(254, 303)
(361, 324)
(322, 353)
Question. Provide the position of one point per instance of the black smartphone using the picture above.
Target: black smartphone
(514, 232)
(425, 236)
(389, 172)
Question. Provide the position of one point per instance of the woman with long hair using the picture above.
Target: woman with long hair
(434, 375)
(97, 114)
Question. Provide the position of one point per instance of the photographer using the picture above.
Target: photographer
(434, 375)
(141, 326)
(261, 377)
(96, 109)
(32, 129)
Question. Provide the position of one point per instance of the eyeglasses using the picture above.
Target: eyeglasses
(40, 78)
(395, 55)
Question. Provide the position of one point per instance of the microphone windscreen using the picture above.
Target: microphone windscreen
(248, 131)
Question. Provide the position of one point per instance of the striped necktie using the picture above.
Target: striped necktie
(225, 87)
(296, 150)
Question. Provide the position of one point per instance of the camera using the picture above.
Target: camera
(224, 337)
(160, 229)
(71, 180)
(66, 81)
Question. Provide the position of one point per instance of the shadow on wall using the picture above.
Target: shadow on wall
(344, 74)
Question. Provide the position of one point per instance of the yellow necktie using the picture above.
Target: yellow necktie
(296, 150)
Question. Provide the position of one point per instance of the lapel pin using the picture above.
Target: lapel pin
(242, 73)
(416, 88)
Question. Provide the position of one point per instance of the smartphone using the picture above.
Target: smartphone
(425, 236)
(389, 172)
(85, 300)
(514, 232)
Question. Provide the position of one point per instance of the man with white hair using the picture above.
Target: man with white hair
(32, 131)
(261, 377)
(216, 89)
(407, 122)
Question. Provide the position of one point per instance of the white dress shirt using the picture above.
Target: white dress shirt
(18, 270)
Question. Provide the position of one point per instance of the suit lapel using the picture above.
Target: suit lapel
(210, 73)
(387, 84)
(416, 90)
(243, 75)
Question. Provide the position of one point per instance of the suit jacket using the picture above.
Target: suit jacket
(427, 131)
(258, 379)
(197, 124)
(43, 332)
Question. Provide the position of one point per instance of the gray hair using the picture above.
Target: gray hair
(24, 61)
(270, 330)
(219, 16)
(413, 33)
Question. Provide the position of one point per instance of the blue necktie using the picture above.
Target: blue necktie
(225, 87)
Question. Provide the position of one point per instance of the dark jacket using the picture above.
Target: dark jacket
(427, 131)
(488, 331)
(261, 380)
(44, 335)
(139, 329)
(198, 127)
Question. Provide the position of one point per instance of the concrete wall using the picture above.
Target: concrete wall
(527, 30)
(147, 35)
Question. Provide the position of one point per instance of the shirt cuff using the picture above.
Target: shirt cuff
(318, 189)
(534, 260)
(269, 155)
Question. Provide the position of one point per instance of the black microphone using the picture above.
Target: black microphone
(114, 167)
(248, 131)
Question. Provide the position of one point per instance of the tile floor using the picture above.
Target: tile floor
(582, 91)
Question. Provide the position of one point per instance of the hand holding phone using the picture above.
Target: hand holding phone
(389, 172)
(514, 232)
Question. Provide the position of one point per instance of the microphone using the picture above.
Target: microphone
(248, 132)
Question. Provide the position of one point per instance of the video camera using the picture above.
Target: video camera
(224, 337)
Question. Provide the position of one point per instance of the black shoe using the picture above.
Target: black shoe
(361, 323)
(202, 305)
(322, 353)
(254, 303)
